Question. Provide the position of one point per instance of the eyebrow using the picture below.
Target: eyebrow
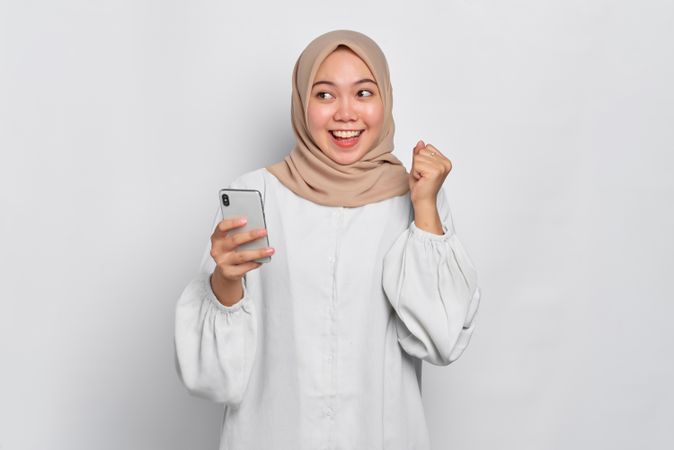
(364, 80)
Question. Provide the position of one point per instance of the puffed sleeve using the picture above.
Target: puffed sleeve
(431, 284)
(214, 344)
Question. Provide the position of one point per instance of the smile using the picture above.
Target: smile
(345, 134)
(345, 139)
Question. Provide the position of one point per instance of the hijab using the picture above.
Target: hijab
(311, 174)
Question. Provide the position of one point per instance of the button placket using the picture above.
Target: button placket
(329, 410)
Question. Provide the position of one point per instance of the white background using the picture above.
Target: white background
(119, 120)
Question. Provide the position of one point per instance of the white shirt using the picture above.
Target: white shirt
(324, 350)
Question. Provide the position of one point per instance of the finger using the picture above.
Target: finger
(236, 271)
(246, 256)
(229, 223)
(446, 161)
(428, 159)
(425, 155)
(422, 169)
(236, 239)
(223, 243)
(241, 269)
(433, 152)
(420, 144)
(430, 169)
(232, 258)
(420, 164)
(414, 173)
(434, 149)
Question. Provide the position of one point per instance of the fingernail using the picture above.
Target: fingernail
(243, 220)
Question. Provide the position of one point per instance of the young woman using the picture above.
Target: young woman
(321, 348)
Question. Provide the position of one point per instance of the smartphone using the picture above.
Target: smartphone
(247, 203)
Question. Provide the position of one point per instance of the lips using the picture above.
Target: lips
(346, 142)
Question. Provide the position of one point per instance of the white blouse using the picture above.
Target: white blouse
(324, 350)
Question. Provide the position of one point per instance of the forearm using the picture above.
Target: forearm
(426, 217)
(227, 292)
(431, 284)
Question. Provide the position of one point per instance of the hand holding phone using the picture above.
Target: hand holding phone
(236, 253)
(232, 265)
(246, 203)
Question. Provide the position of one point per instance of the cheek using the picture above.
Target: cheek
(317, 116)
(374, 116)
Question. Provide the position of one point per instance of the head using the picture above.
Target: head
(345, 111)
(341, 83)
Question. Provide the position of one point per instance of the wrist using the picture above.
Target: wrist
(228, 292)
(427, 218)
(425, 205)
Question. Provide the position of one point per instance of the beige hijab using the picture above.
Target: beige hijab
(306, 170)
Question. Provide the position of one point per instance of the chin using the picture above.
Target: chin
(343, 159)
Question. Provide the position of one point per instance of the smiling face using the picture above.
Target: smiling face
(345, 112)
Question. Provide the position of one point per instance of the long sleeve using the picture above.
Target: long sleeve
(431, 284)
(215, 345)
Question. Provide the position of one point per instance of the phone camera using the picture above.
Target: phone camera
(225, 199)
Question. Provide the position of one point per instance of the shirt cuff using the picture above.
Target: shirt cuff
(243, 303)
(424, 235)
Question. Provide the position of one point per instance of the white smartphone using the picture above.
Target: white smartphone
(247, 203)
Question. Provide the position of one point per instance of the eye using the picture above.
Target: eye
(370, 94)
(320, 95)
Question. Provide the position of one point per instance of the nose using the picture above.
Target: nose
(345, 111)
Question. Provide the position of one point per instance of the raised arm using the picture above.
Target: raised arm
(427, 275)
(431, 284)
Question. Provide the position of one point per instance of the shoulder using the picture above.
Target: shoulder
(254, 179)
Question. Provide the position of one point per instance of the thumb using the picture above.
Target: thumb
(419, 146)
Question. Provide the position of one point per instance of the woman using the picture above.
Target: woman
(321, 348)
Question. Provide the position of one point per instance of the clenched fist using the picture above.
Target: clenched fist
(429, 170)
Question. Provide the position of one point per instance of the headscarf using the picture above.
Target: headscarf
(311, 174)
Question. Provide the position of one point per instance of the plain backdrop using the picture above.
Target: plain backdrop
(119, 120)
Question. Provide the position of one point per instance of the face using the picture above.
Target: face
(345, 111)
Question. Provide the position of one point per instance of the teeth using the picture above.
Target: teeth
(346, 134)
